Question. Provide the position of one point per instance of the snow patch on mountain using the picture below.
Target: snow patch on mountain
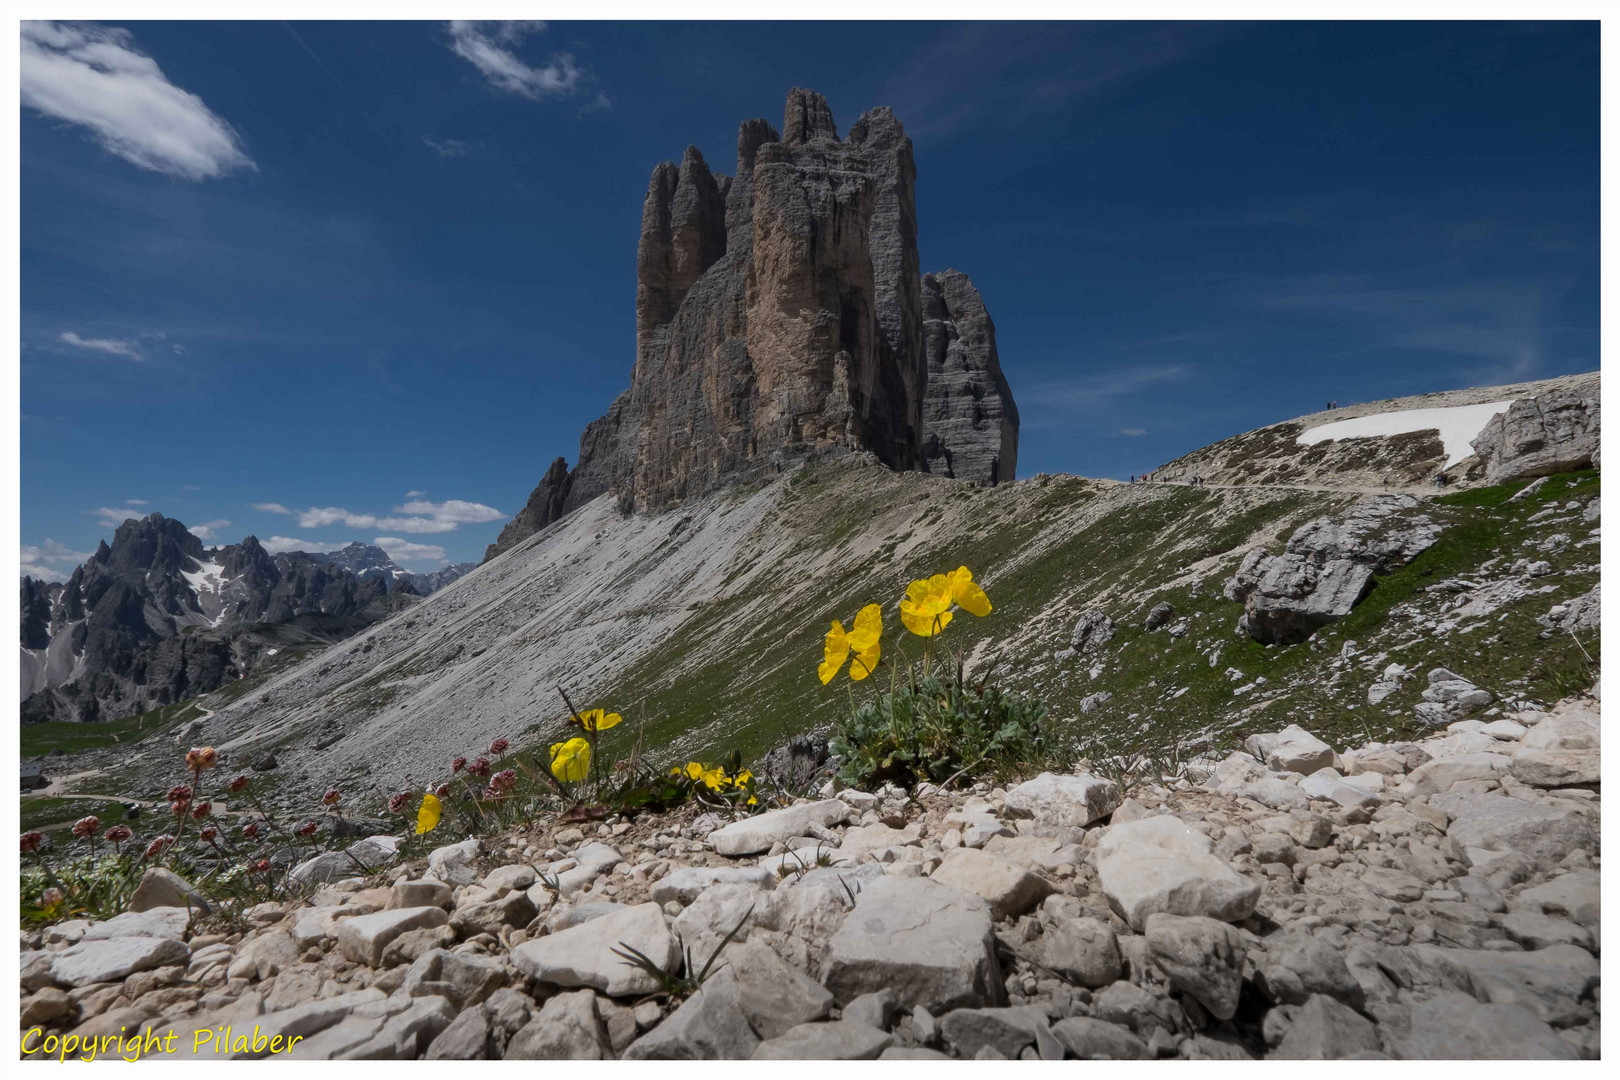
(1457, 425)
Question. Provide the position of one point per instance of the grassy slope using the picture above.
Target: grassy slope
(741, 671)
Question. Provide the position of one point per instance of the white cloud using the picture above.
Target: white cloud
(449, 148)
(1133, 431)
(271, 508)
(134, 502)
(110, 517)
(95, 77)
(275, 545)
(114, 346)
(407, 553)
(414, 494)
(51, 561)
(457, 510)
(208, 530)
(413, 517)
(488, 46)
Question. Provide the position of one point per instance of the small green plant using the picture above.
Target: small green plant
(673, 984)
(939, 731)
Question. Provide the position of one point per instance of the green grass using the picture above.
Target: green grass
(70, 738)
(38, 811)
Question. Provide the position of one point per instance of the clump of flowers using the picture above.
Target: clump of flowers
(926, 609)
(86, 827)
(728, 782)
(498, 747)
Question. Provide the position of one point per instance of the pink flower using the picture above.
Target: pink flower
(398, 801)
(209, 833)
(262, 866)
(87, 826)
(498, 747)
(239, 784)
(479, 768)
(457, 764)
(118, 834)
(156, 847)
(331, 797)
(180, 793)
(505, 780)
(202, 810)
(442, 791)
(250, 830)
(179, 808)
(199, 758)
(32, 840)
(307, 829)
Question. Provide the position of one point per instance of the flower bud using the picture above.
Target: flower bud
(202, 810)
(457, 764)
(250, 830)
(239, 784)
(498, 747)
(331, 797)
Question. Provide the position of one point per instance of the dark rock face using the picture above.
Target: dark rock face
(156, 618)
(968, 411)
(1542, 435)
(780, 317)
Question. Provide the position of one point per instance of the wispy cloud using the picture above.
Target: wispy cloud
(111, 346)
(1095, 389)
(112, 518)
(1133, 432)
(271, 508)
(208, 530)
(414, 494)
(412, 517)
(135, 502)
(50, 561)
(95, 77)
(447, 148)
(407, 553)
(275, 545)
(491, 48)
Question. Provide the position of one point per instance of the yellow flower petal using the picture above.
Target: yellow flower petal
(427, 818)
(966, 593)
(571, 760)
(868, 630)
(865, 662)
(610, 720)
(835, 651)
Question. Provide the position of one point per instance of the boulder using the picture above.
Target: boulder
(455, 864)
(584, 955)
(773, 995)
(1325, 1029)
(683, 884)
(114, 959)
(1293, 749)
(838, 1040)
(567, 1028)
(164, 922)
(161, 887)
(1552, 432)
(932, 944)
(1203, 957)
(750, 835)
(1092, 631)
(1087, 1038)
(1489, 824)
(363, 938)
(709, 1026)
(1453, 1027)
(1008, 1031)
(359, 858)
(1162, 864)
(1010, 890)
(1063, 801)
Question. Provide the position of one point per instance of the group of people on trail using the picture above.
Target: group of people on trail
(1196, 481)
(1332, 405)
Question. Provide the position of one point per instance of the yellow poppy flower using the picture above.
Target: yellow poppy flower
(597, 720)
(427, 818)
(865, 640)
(694, 771)
(926, 610)
(571, 760)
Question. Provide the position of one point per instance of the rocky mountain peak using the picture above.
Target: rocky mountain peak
(780, 317)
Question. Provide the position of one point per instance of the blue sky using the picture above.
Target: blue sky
(378, 275)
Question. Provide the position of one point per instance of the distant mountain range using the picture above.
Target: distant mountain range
(156, 617)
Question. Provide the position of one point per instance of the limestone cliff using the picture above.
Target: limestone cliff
(780, 317)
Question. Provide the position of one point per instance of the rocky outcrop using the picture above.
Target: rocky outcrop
(1554, 432)
(1326, 569)
(781, 316)
(968, 411)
